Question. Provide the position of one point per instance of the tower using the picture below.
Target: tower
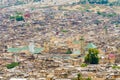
(82, 45)
(31, 47)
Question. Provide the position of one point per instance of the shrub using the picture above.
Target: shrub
(12, 17)
(69, 51)
(64, 30)
(19, 18)
(88, 79)
(116, 67)
(12, 65)
(83, 65)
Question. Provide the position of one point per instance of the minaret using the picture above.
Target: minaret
(82, 44)
(106, 31)
(31, 47)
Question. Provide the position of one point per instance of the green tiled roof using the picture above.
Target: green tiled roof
(91, 45)
(24, 48)
(13, 50)
(77, 52)
(36, 50)
(76, 42)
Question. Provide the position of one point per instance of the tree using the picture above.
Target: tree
(83, 65)
(83, 1)
(88, 79)
(115, 3)
(94, 1)
(79, 77)
(36, 0)
(12, 65)
(19, 18)
(92, 57)
(12, 17)
(69, 51)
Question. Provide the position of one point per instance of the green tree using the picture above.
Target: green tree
(88, 79)
(12, 65)
(83, 65)
(79, 77)
(92, 57)
(19, 18)
(69, 51)
(12, 17)
(115, 3)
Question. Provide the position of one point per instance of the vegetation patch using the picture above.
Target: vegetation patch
(116, 67)
(80, 77)
(12, 65)
(17, 17)
(64, 31)
(92, 57)
(83, 65)
(69, 51)
(104, 14)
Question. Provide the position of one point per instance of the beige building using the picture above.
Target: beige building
(50, 77)
(76, 62)
(61, 73)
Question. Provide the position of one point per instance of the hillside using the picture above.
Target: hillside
(5, 3)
